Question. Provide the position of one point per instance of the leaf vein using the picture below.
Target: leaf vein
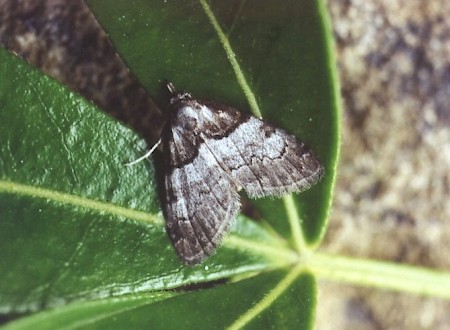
(264, 303)
(70, 199)
(231, 55)
(293, 216)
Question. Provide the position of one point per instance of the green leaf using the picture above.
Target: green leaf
(77, 227)
(282, 51)
(75, 222)
(277, 300)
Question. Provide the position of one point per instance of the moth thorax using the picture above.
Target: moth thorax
(188, 118)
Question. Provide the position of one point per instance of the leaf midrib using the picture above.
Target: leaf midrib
(280, 254)
(70, 199)
(291, 211)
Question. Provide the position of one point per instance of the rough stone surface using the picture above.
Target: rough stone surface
(391, 199)
(64, 40)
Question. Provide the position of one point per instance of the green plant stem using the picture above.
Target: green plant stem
(363, 272)
(279, 255)
(379, 274)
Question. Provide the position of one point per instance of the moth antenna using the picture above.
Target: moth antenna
(171, 88)
(147, 154)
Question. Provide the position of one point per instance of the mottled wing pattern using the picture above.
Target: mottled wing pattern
(201, 204)
(211, 151)
(265, 160)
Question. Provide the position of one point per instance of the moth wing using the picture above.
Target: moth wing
(265, 160)
(201, 204)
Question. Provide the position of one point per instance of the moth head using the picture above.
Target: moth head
(177, 96)
(181, 96)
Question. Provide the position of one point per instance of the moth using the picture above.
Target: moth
(210, 152)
